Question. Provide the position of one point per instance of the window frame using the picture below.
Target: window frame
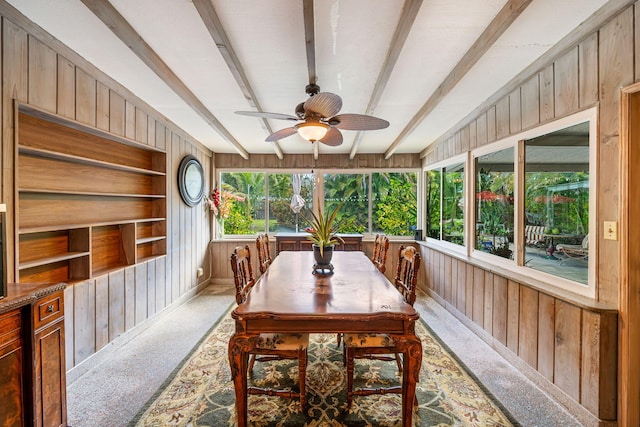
(319, 189)
(518, 143)
(439, 243)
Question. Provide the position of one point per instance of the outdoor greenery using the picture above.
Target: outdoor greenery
(393, 208)
(282, 217)
(566, 210)
(495, 209)
(433, 203)
(445, 203)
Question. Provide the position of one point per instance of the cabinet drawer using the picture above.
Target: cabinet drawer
(10, 324)
(48, 309)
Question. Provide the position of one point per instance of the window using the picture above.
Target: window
(394, 204)
(433, 203)
(532, 202)
(494, 200)
(373, 202)
(242, 202)
(282, 187)
(557, 199)
(445, 203)
(352, 190)
(453, 203)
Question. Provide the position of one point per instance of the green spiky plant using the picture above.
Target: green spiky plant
(323, 228)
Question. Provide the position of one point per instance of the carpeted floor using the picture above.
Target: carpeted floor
(200, 391)
(109, 390)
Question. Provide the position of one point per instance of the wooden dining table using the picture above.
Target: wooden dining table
(288, 298)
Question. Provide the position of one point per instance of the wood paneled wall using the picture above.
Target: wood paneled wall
(572, 346)
(39, 71)
(324, 161)
(591, 73)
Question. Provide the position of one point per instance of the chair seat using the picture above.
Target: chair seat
(283, 341)
(368, 340)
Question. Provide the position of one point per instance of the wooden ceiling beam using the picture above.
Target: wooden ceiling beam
(125, 32)
(310, 39)
(586, 28)
(214, 26)
(503, 20)
(407, 18)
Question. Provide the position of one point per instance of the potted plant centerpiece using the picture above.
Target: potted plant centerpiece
(323, 230)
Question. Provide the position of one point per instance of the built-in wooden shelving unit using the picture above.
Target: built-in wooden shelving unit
(89, 202)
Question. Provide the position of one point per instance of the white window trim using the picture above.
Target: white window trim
(319, 188)
(443, 244)
(590, 289)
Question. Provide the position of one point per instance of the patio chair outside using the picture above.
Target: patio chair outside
(579, 252)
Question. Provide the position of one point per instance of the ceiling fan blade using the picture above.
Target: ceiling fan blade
(326, 104)
(282, 133)
(277, 116)
(333, 137)
(358, 122)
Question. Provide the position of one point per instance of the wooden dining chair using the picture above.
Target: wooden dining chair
(264, 253)
(377, 345)
(379, 259)
(269, 346)
(380, 248)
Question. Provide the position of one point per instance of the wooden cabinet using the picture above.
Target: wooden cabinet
(89, 202)
(12, 371)
(49, 361)
(32, 358)
(299, 242)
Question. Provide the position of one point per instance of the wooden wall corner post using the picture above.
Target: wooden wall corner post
(629, 294)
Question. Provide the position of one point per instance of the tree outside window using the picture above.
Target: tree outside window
(494, 199)
(453, 204)
(394, 203)
(392, 211)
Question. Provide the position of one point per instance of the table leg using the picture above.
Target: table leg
(412, 361)
(238, 361)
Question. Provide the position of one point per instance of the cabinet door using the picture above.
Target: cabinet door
(288, 245)
(12, 397)
(352, 244)
(50, 394)
(50, 383)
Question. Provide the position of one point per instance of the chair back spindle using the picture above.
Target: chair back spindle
(264, 253)
(407, 272)
(380, 248)
(242, 272)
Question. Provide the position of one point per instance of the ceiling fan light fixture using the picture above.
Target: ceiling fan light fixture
(312, 131)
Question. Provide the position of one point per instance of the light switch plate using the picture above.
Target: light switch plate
(611, 230)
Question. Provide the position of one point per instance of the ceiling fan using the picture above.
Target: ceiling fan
(319, 119)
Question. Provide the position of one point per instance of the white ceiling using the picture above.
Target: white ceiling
(352, 41)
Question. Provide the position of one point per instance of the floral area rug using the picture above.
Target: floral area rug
(200, 392)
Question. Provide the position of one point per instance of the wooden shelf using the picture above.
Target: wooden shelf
(150, 220)
(103, 271)
(45, 228)
(32, 111)
(88, 193)
(51, 260)
(112, 188)
(149, 239)
(40, 152)
(149, 258)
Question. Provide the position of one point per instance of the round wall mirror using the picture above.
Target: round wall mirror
(191, 180)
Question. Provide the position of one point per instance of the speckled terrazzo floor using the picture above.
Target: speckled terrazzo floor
(112, 392)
